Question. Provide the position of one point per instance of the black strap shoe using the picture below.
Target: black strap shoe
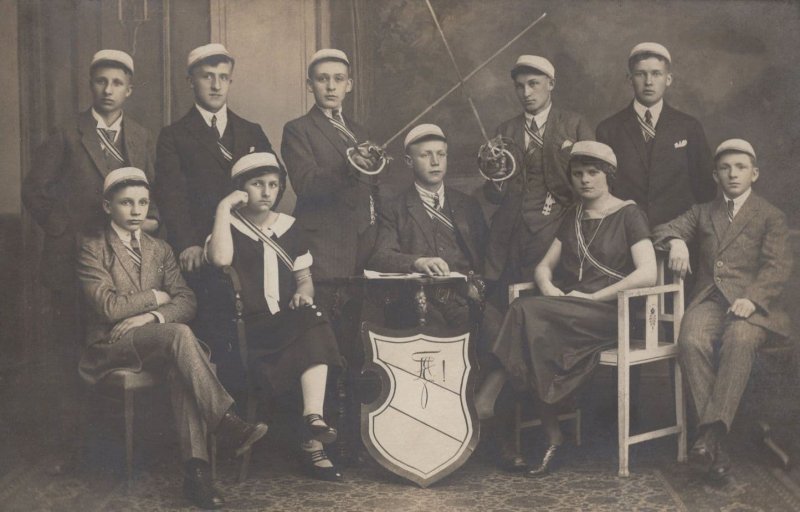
(326, 473)
(324, 433)
(547, 463)
(198, 487)
(235, 432)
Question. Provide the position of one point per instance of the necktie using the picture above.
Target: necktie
(107, 142)
(535, 138)
(135, 252)
(648, 130)
(226, 153)
(337, 121)
(436, 204)
(729, 203)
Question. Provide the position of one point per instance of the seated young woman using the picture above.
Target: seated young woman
(289, 340)
(551, 344)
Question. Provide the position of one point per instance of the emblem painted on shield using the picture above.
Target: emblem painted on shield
(423, 426)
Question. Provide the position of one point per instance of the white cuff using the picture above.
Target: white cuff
(159, 317)
(303, 261)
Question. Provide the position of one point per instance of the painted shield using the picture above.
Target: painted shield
(423, 426)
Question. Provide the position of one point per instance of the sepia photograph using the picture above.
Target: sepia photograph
(400, 255)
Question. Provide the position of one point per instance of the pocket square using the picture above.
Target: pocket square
(566, 144)
(681, 143)
(252, 149)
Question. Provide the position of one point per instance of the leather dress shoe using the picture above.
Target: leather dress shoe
(547, 464)
(721, 467)
(198, 487)
(323, 433)
(233, 431)
(704, 451)
(512, 462)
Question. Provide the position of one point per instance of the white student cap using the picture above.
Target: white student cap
(422, 131)
(328, 54)
(535, 62)
(594, 149)
(206, 51)
(738, 145)
(117, 56)
(254, 161)
(123, 174)
(653, 48)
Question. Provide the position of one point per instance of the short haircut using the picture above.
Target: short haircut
(753, 160)
(212, 60)
(632, 61)
(527, 70)
(239, 181)
(112, 191)
(601, 165)
(312, 69)
(109, 64)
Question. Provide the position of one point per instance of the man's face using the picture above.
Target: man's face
(210, 84)
(428, 159)
(110, 88)
(650, 78)
(533, 91)
(128, 208)
(330, 83)
(735, 173)
(262, 192)
(588, 181)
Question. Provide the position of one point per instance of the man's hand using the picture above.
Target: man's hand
(191, 258)
(432, 266)
(679, 257)
(234, 200)
(742, 308)
(300, 300)
(126, 325)
(162, 298)
(150, 226)
(576, 293)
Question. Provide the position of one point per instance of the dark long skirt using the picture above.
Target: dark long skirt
(285, 345)
(553, 344)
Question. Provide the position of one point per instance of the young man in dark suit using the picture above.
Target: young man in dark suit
(664, 160)
(195, 154)
(138, 307)
(63, 193)
(744, 262)
(533, 201)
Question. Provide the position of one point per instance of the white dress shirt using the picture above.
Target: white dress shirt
(429, 197)
(101, 123)
(655, 110)
(541, 122)
(125, 236)
(738, 202)
(222, 117)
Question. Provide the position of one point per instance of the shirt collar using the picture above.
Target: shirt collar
(655, 110)
(541, 117)
(428, 197)
(125, 235)
(739, 201)
(101, 123)
(222, 115)
(328, 112)
(278, 228)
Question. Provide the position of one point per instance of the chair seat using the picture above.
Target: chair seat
(639, 355)
(127, 379)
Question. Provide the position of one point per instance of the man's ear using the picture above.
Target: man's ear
(716, 177)
(309, 85)
(409, 162)
(755, 174)
(190, 81)
(107, 206)
(349, 85)
(669, 79)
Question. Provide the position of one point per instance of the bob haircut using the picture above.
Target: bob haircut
(609, 170)
(239, 181)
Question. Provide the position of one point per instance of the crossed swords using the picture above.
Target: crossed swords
(380, 151)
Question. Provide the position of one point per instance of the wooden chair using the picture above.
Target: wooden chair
(631, 352)
(129, 382)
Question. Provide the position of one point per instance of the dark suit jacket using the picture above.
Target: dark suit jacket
(750, 258)
(405, 232)
(63, 190)
(677, 173)
(192, 176)
(562, 128)
(113, 293)
(332, 208)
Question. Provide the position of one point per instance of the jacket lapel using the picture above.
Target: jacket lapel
(746, 213)
(237, 132)
(719, 218)
(200, 130)
(635, 132)
(91, 142)
(131, 139)
(148, 262)
(417, 212)
(122, 256)
(328, 130)
(663, 139)
(455, 206)
(517, 132)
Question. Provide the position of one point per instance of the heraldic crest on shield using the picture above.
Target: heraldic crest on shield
(423, 426)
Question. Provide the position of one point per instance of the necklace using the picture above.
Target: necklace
(584, 252)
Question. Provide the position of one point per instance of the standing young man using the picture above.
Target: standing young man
(63, 193)
(664, 160)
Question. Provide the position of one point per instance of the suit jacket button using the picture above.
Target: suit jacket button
(719, 264)
(717, 279)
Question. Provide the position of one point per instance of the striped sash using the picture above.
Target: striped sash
(344, 130)
(584, 248)
(272, 244)
(135, 256)
(647, 129)
(439, 216)
(534, 135)
(108, 145)
(226, 153)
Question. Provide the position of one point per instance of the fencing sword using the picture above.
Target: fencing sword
(496, 150)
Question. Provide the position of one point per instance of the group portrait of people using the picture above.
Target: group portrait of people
(140, 227)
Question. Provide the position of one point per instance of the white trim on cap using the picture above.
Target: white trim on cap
(594, 149)
(423, 130)
(254, 161)
(205, 51)
(117, 56)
